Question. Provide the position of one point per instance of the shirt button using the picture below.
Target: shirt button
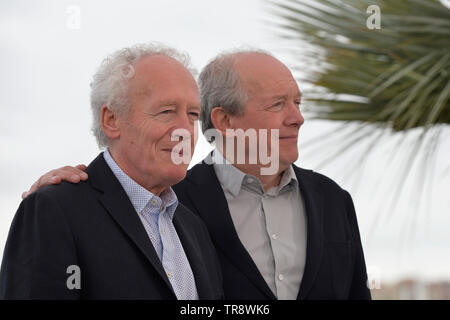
(274, 236)
(168, 274)
(280, 277)
(154, 202)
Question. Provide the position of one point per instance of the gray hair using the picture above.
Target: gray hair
(220, 86)
(111, 81)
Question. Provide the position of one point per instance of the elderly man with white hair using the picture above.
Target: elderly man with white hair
(122, 234)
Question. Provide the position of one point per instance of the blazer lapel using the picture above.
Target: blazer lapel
(314, 211)
(191, 249)
(208, 197)
(118, 205)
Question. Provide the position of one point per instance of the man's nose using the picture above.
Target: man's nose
(294, 115)
(183, 122)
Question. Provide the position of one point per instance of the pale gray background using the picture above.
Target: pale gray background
(46, 67)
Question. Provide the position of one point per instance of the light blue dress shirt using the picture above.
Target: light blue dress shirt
(156, 214)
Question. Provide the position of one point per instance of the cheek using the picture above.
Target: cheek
(134, 130)
(195, 133)
(288, 153)
(263, 120)
(145, 141)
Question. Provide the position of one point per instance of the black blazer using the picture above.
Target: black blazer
(335, 267)
(93, 224)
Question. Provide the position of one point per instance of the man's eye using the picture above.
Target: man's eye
(276, 106)
(166, 111)
(194, 115)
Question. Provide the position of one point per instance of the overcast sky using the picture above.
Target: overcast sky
(48, 54)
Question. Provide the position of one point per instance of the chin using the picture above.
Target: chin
(175, 174)
(289, 158)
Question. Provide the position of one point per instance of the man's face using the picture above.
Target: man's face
(273, 103)
(163, 97)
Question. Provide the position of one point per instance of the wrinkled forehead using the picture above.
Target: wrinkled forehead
(261, 74)
(163, 76)
(159, 69)
(267, 85)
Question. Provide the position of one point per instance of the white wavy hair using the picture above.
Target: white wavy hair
(111, 81)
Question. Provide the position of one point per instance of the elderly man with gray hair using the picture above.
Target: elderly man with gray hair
(284, 233)
(290, 233)
(122, 234)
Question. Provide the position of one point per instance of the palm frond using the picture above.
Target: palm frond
(390, 80)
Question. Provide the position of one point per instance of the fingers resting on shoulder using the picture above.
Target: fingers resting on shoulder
(56, 176)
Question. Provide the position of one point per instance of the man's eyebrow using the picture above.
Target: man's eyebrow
(167, 103)
(174, 103)
(277, 97)
(284, 96)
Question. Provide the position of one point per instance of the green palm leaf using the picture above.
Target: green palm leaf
(393, 80)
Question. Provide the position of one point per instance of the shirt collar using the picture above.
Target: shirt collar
(288, 179)
(229, 176)
(233, 179)
(138, 195)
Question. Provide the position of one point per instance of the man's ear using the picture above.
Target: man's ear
(110, 123)
(221, 120)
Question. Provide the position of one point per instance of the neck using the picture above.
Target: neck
(267, 181)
